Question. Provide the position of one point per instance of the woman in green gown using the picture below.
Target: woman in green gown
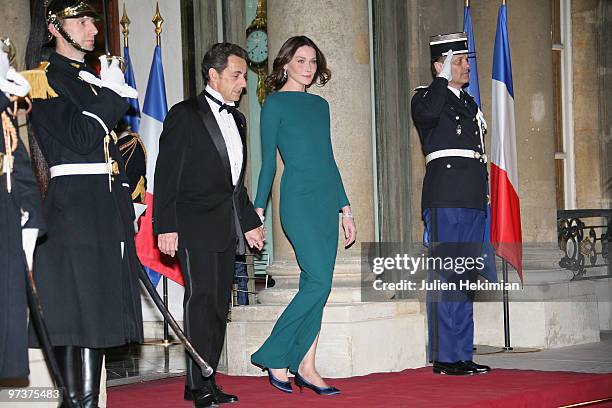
(311, 197)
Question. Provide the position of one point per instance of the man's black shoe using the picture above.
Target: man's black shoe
(221, 397)
(457, 368)
(477, 368)
(204, 397)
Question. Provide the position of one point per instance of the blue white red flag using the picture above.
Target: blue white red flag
(153, 114)
(132, 117)
(506, 232)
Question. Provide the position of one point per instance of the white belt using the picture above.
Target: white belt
(470, 154)
(75, 169)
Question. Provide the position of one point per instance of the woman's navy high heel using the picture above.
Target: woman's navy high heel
(284, 386)
(300, 382)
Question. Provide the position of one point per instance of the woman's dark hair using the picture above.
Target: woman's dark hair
(277, 79)
(218, 55)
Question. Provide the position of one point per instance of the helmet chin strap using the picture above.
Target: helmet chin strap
(67, 37)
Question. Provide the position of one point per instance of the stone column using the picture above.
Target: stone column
(15, 23)
(342, 34)
(350, 327)
(587, 110)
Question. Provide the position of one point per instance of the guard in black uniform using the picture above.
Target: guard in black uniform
(87, 268)
(451, 129)
(20, 223)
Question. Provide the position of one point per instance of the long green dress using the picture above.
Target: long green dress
(311, 195)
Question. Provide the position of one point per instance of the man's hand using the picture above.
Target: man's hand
(168, 243)
(446, 67)
(255, 238)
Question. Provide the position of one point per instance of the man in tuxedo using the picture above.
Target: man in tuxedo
(201, 210)
(451, 129)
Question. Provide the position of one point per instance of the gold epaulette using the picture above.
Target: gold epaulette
(140, 193)
(37, 78)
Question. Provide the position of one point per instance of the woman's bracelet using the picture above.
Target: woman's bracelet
(347, 215)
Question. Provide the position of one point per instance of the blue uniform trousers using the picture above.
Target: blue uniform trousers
(452, 233)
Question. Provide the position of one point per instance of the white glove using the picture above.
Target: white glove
(28, 240)
(446, 67)
(4, 63)
(11, 82)
(111, 77)
(15, 84)
(139, 209)
(481, 120)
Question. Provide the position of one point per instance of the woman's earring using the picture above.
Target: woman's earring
(285, 74)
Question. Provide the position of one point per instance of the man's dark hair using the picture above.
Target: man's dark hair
(218, 56)
(433, 67)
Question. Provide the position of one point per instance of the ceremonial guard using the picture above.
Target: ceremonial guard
(87, 268)
(451, 129)
(20, 223)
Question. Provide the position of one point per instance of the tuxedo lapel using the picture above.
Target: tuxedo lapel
(215, 133)
(240, 123)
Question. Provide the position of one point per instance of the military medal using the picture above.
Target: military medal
(458, 130)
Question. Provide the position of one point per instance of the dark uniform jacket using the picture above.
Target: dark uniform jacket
(89, 291)
(194, 195)
(25, 197)
(452, 182)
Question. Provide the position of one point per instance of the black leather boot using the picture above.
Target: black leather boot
(92, 370)
(69, 361)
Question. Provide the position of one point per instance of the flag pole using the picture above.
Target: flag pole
(506, 303)
(158, 20)
(125, 27)
(106, 40)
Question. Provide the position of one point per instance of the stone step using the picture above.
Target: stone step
(333, 312)
(356, 338)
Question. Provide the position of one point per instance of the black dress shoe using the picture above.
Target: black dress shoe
(477, 368)
(221, 397)
(456, 368)
(204, 397)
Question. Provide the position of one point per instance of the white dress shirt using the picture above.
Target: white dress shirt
(456, 91)
(230, 133)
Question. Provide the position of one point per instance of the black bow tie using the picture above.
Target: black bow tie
(229, 108)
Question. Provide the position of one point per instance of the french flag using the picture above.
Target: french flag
(154, 112)
(132, 117)
(506, 234)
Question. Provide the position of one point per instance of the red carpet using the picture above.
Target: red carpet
(410, 388)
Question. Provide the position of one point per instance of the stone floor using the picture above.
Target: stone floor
(137, 363)
(151, 362)
(586, 358)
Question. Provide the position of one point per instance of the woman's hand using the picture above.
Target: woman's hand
(260, 212)
(348, 223)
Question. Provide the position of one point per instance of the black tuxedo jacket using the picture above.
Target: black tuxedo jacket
(454, 182)
(194, 195)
